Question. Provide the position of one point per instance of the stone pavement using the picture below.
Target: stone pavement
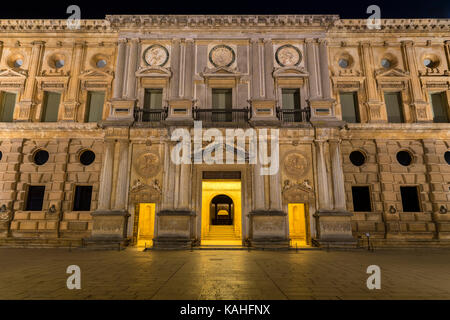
(235, 275)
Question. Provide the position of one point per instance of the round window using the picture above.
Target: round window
(59, 63)
(18, 63)
(40, 157)
(87, 157)
(386, 63)
(343, 63)
(404, 158)
(431, 62)
(1, 155)
(101, 63)
(446, 157)
(357, 158)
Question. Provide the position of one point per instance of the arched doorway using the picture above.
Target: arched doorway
(221, 211)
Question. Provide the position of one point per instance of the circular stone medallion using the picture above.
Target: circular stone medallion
(288, 56)
(147, 164)
(295, 164)
(156, 55)
(222, 56)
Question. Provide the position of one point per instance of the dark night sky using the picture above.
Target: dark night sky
(97, 9)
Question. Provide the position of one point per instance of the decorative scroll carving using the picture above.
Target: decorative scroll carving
(297, 191)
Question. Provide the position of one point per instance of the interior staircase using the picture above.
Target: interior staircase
(221, 236)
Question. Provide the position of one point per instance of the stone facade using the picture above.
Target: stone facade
(256, 57)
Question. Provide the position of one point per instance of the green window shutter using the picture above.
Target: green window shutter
(394, 107)
(349, 107)
(8, 103)
(440, 107)
(96, 100)
(51, 106)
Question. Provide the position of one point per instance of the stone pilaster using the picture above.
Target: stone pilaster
(71, 102)
(333, 221)
(376, 110)
(175, 68)
(338, 176)
(324, 69)
(313, 66)
(27, 102)
(268, 69)
(422, 109)
(109, 226)
(120, 69)
(254, 56)
(189, 60)
(122, 176)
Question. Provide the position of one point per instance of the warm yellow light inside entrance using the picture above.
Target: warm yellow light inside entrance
(146, 225)
(298, 228)
(221, 235)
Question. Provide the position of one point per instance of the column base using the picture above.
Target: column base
(109, 226)
(174, 229)
(334, 228)
(268, 229)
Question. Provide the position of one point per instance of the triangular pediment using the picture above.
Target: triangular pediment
(154, 71)
(391, 73)
(96, 74)
(221, 72)
(290, 72)
(226, 149)
(12, 73)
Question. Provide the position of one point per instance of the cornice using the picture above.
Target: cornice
(222, 21)
(389, 25)
(41, 25)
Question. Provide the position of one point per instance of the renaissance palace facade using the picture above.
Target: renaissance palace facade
(87, 119)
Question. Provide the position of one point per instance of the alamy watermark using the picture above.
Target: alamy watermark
(263, 147)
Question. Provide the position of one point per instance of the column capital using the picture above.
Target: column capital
(38, 43)
(322, 41)
(447, 42)
(135, 40)
(122, 41)
(364, 44)
(407, 43)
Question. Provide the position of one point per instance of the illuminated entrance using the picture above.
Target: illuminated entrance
(144, 224)
(221, 212)
(298, 225)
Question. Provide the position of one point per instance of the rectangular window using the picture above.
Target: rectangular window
(394, 109)
(35, 198)
(82, 199)
(152, 101)
(361, 199)
(410, 199)
(8, 102)
(50, 106)
(95, 102)
(290, 99)
(349, 106)
(440, 107)
(222, 100)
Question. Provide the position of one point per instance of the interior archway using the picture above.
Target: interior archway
(221, 210)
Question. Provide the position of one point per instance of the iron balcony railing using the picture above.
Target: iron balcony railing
(294, 115)
(150, 115)
(222, 115)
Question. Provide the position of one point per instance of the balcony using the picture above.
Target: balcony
(223, 116)
(150, 115)
(294, 115)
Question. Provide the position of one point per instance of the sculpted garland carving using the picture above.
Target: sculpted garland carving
(222, 56)
(156, 55)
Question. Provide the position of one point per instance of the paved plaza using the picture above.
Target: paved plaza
(224, 274)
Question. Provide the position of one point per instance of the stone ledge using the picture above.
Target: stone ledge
(176, 213)
(267, 213)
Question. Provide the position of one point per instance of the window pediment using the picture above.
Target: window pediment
(154, 71)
